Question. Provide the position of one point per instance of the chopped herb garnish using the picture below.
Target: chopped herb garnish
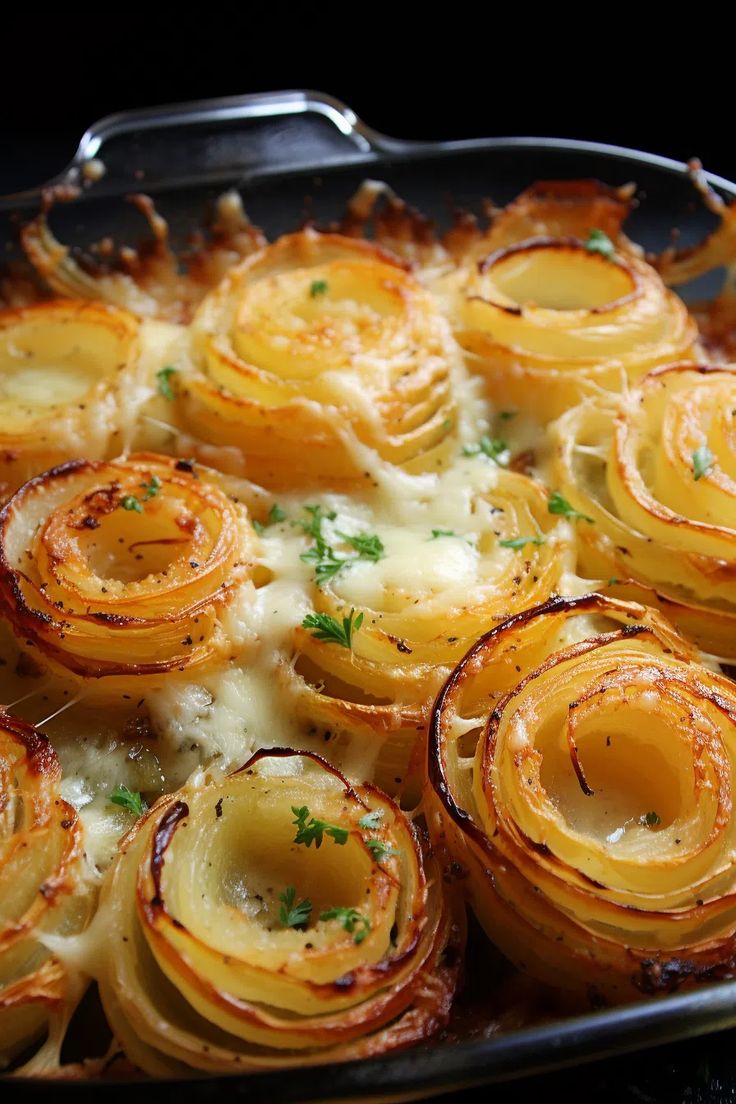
(312, 831)
(164, 382)
(318, 287)
(599, 242)
(437, 533)
(152, 487)
(351, 920)
(326, 562)
(129, 800)
(650, 819)
(369, 545)
(293, 915)
(520, 542)
(559, 505)
(613, 581)
(492, 447)
(380, 850)
(130, 502)
(372, 819)
(275, 515)
(317, 515)
(507, 415)
(702, 461)
(328, 628)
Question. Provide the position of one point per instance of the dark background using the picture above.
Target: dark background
(453, 76)
(596, 76)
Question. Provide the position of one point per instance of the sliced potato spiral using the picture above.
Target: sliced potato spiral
(310, 343)
(549, 311)
(210, 971)
(604, 322)
(123, 567)
(65, 369)
(40, 853)
(656, 471)
(582, 771)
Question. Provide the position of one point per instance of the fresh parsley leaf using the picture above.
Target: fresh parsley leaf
(152, 487)
(520, 542)
(351, 920)
(294, 915)
(437, 533)
(559, 505)
(380, 850)
(372, 819)
(275, 515)
(599, 242)
(317, 515)
(313, 830)
(164, 382)
(317, 288)
(650, 819)
(326, 562)
(492, 447)
(702, 461)
(129, 800)
(327, 628)
(369, 545)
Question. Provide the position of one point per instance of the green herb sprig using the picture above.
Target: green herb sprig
(380, 850)
(494, 448)
(314, 830)
(291, 913)
(372, 819)
(327, 628)
(163, 380)
(520, 542)
(702, 462)
(599, 242)
(559, 505)
(369, 546)
(351, 920)
(128, 799)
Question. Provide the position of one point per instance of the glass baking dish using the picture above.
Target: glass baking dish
(300, 155)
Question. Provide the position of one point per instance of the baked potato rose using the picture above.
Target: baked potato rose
(312, 345)
(67, 379)
(123, 567)
(240, 946)
(40, 869)
(581, 772)
(555, 302)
